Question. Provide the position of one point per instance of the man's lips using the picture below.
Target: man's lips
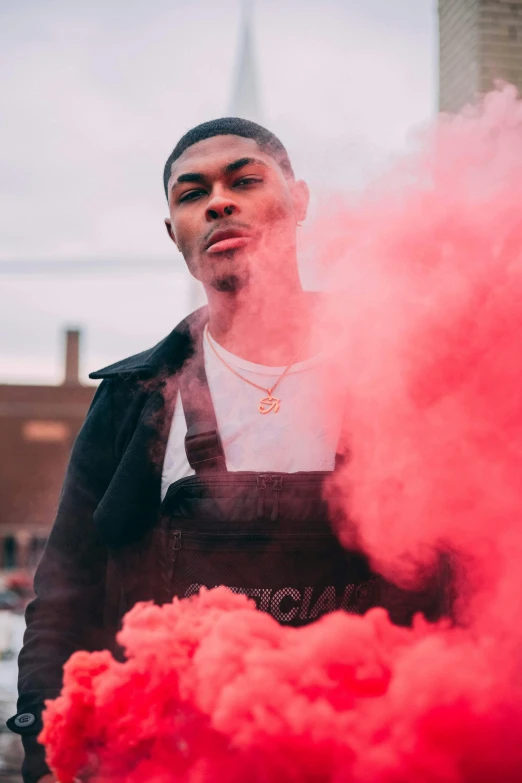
(220, 241)
(227, 244)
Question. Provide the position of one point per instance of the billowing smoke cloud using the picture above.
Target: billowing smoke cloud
(430, 269)
(432, 320)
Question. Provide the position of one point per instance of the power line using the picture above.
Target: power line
(67, 268)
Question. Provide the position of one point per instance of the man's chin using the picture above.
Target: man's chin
(231, 275)
(229, 283)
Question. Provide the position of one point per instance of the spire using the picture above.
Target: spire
(246, 101)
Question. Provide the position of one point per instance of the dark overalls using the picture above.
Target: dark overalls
(267, 535)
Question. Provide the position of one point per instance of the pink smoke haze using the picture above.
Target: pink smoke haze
(429, 263)
(432, 319)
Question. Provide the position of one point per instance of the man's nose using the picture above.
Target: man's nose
(220, 206)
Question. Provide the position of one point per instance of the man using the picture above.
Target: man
(203, 460)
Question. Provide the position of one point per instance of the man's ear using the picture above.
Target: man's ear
(168, 226)
(301, 196)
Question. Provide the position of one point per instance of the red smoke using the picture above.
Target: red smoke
(430, 265)
(433, 326)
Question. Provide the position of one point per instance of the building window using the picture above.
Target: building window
(10, 552)
(46, 431)
(513, 32)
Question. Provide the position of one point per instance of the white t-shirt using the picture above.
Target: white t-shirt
(302, 435)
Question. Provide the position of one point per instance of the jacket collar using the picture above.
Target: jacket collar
(168, 355)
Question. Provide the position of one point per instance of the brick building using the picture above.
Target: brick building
(479, 41)
(38, 425)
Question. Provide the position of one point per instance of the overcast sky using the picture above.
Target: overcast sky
(94, 96)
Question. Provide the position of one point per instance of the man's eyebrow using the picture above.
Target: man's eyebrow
(239, 164)
(189, 177)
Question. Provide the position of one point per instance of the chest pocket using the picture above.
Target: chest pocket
(267, 536)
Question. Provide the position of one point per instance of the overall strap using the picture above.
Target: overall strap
(202, 442)
(342, 451)
(341, 459)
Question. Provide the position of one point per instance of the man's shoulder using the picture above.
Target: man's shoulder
(167, 356)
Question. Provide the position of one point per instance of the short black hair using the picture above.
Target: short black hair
(231, 126)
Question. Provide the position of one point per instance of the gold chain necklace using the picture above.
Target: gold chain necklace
(266, 404)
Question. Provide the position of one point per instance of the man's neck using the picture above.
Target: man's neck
(271, 329)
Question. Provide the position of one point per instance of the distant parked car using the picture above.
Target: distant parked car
(17, 591)
(11, 601)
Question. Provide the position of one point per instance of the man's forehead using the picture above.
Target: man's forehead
(218, 150)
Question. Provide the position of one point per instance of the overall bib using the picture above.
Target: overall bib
(267, 535)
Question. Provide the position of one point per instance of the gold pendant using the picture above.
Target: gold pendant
(268, 404)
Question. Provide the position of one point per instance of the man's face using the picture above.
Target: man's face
(233, 213)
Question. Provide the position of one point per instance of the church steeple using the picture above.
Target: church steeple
(246, 100)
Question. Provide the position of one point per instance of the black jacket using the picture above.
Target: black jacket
(110, 497)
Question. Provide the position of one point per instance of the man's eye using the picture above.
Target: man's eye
(248, 180)
(190, 195)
